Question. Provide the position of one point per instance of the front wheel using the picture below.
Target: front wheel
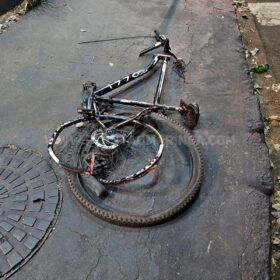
(169, 184)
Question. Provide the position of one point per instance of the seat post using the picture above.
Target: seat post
(161, 80)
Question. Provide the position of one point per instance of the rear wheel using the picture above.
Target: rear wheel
(169, 185)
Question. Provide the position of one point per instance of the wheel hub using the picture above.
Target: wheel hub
(108, 140)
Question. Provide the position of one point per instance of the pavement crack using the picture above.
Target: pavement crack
(124, 276)
(94, 267)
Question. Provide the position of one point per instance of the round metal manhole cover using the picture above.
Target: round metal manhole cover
(29, 204)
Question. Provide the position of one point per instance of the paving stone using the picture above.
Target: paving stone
(6, 174)
(17, 163)
(37, 184)
(13, 177)
(43, 225)
(5, 161)
(35, 207)
(6, 247)
(31, 242)
(6, 226)
(19, 234)
(52, 192)
(4, 195)
(18, 182)
(29, 221)
(50, 207)
(3, 190)
(26, 169)
(51, 179)
(53, 200)
(19, 190)
(18, 207)
(36, 160)
(14, 217)
(14, 258)
(45, 167)
(33, 174)
(27, 154)
(21, 198)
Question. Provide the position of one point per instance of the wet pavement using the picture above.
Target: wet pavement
(225, 233)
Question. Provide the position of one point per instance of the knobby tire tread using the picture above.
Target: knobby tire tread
(167, 214)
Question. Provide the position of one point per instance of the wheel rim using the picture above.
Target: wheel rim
(129, 160)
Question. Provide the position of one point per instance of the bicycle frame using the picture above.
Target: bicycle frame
(98, 95)
(90, 109)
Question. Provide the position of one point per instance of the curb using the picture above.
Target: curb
(6, 5)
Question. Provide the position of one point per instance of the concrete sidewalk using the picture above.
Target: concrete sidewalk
(225, 234)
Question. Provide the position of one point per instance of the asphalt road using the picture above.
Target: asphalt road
(225, 234)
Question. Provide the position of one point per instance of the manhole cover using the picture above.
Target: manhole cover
(29, 204)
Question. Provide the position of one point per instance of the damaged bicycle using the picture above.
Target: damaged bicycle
(131, 167)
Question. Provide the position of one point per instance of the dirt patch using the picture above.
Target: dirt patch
(267, 88)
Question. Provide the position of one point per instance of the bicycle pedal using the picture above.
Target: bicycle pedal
(190, 112)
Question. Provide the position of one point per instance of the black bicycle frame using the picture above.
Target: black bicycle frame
(98, 94)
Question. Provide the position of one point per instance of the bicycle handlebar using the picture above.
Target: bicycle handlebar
(155, 46)
(161, 41)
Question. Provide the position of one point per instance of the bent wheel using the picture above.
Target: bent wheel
(154, 198)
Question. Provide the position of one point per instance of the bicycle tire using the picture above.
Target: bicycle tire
(127, 219)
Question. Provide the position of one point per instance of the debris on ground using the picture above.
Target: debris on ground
(8, 22)
(276, 87)
(267, 129)
(254, 51)
(251, 53)
(274, 122)
(276, 240)
(257, 88)
(238, 3)
(83, 30)
(259, 69)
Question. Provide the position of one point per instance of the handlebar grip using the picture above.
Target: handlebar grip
(155, 46)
